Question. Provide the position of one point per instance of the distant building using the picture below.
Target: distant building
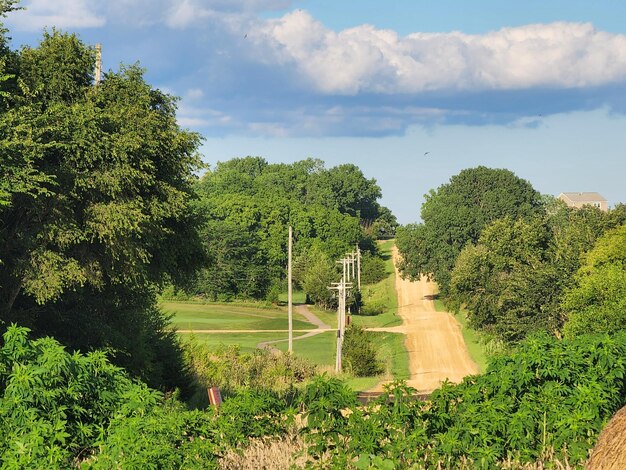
(584, 199)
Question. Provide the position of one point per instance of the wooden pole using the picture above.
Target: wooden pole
(98, 70)
(358, 267)
(289, 291)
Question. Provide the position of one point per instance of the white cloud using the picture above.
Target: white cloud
(191, 116)
(194, 93)
(60, 13)
(370, 60)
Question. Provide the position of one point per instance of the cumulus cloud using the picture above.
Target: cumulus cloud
(365, 59)
(60, 13)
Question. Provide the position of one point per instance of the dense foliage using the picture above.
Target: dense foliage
(512, 281)
(248, 205)
(59, 410)
(597, 303)
(455, 214)
(94, 214)
(548, 397)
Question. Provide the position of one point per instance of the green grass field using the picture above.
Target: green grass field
(247, 341)
(471, 337)
(209, 316)
(319, 349)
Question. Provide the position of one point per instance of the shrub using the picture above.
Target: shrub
(359, 353)
(548, 399)
(231, 370)
(372, 269)
(54, 403)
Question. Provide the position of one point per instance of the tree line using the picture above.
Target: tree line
(519, 262)
(246, 205)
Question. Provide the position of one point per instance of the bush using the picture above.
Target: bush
(548, 399)
(359, 353)
(376, 307)
(231, 370)
(372, 269)
(54, 403)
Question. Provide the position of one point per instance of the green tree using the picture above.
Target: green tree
(319, 276)
(597, 303)
(236, 267)
(506, 281)
(513, 280)
(262, 200)
(103, 219)
(456, 213)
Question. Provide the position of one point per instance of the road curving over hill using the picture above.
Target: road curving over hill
(434, 341)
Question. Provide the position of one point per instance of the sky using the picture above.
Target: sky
(411, 91)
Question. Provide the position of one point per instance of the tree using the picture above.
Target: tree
(236, 267)
(262, 200)
(456, 213)
(319, 276)
(103, 218)
(513, 280)
(597, 303)
(506, 281)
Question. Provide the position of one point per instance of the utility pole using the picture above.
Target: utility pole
(341, 288)
(98, 69)
(289, 291)
(358, 267)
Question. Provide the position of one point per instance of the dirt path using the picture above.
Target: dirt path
(311, 318)
(433, 339)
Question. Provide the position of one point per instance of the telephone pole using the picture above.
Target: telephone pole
(98, 69)
(358, 267)
(289, 291)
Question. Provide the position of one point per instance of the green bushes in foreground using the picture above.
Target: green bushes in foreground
(60, 410)
(549, 397)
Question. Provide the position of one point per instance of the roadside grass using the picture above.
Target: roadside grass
(382, 294)
(208, 316)
(319, 349)
(472, 338)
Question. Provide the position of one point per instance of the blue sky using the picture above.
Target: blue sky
(536, 87)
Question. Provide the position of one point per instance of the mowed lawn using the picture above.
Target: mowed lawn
(208, 316)
(247, 342)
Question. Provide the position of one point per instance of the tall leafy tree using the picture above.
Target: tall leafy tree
(597, 303)
(103, 219)
(513, 280)
(456, 213)
(506, 281)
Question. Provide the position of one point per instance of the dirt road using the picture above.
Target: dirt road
(433, 339)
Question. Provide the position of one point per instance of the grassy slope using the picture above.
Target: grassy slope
(471, 337)
(209, 316)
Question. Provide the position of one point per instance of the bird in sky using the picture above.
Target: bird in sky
(426, 153)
